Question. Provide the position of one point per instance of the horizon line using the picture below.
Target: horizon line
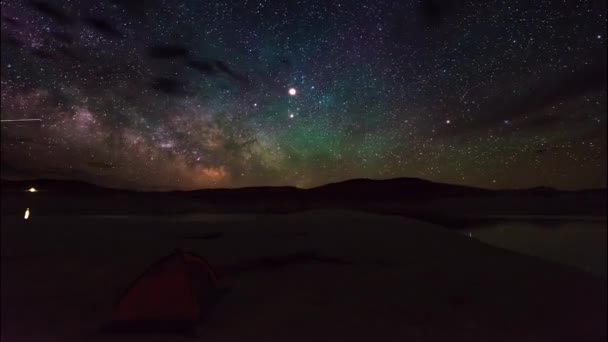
(156, 190)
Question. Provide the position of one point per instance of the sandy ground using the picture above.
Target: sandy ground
(346, 277)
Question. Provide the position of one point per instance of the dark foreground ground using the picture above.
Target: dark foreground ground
(311, 276)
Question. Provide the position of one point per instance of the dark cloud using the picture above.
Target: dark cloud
(534, 99)
(103, 26)
(542, 121)
(223, 67)
(52, 12)
(204, 67)
(70, 53)
(169, 86)
(63, 37)
(101, 165)
(215, 67)
(196, 95)
(559, 88)
(11, 22)
(43, 54)
(168, 52)
(236, 146)
(433, 10)
(436, 12)
(11, 41)
(137, 8)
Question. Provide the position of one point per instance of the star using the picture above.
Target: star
(388, 92)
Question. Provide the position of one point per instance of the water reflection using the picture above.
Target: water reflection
(581, 244)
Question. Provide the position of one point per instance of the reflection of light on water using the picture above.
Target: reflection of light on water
(27, 213)
(470, 234)
(579, 243)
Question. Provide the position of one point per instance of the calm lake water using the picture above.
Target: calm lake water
(578, 243)
(581, 244)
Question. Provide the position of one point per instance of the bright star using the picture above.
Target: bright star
(292, 91)
(447, 121)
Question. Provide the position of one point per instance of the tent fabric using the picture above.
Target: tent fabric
(171, 296)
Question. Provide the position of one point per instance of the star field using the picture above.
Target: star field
(167, 95)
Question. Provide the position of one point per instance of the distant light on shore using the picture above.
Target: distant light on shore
(32, 190)
(27, 214)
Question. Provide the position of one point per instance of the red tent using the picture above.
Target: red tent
(171, 296)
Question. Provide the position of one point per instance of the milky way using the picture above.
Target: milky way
(194, 94)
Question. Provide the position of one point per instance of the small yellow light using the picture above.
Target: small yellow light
(27, 213)
(32, 190)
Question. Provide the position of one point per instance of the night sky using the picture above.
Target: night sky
(166, 95)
